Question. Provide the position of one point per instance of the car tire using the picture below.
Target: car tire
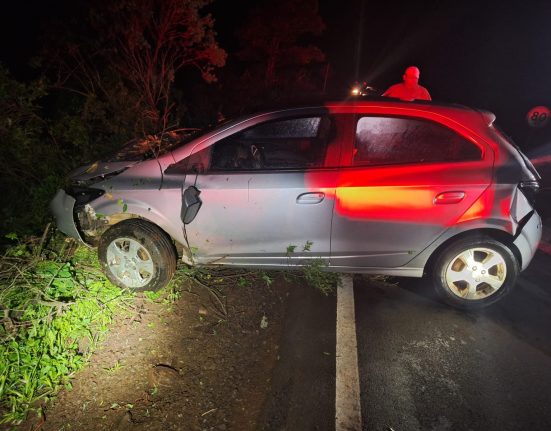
(137, 255)
(475, 272)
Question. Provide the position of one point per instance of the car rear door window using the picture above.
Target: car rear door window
(396, 140)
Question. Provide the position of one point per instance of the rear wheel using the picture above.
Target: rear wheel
(137, 255)
(475, 272)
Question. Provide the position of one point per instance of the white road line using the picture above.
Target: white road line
(348, 414)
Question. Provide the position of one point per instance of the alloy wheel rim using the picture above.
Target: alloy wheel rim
(130, 262)
(476, 273)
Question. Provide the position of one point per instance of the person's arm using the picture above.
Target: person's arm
(389, 91)
(426, 94)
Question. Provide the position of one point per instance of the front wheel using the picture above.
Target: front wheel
(137, 255)
(475, 272)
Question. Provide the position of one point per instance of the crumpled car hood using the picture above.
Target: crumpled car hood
(99, 169)
(132, 153)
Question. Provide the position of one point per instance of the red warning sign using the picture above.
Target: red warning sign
(538, 116)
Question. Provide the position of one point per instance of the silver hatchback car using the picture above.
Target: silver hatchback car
(375, 186)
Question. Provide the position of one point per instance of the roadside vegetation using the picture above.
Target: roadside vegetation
(314, 270)
(56, 307)
(97, 82)
(93, 85)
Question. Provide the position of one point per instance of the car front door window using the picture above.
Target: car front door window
(297, 143)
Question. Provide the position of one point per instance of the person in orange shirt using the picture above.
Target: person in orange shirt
(409, 89)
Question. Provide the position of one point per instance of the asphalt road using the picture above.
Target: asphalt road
(422, 365)
(303, 382)
(425, 366)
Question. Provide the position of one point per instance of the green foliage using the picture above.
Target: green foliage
(55, 309)
(124, 205)
(266, 278)
(152, 296)
(316, 276)
(244, 281)
(110, 80)
(314, 270)
(39, 148)
(112, 370)
(26, 175)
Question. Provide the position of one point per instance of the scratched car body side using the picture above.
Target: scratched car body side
(355, 216)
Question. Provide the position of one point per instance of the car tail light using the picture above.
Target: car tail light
(530, 189)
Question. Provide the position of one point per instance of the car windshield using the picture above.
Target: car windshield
(155, 146)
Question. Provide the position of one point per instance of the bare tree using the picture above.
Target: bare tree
(140, 45)
(154, 39)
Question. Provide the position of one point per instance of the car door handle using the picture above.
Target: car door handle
(310, 198)
(449, 198)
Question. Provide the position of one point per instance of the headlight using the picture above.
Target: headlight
(83, 195)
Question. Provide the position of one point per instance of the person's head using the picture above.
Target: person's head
(411, 76)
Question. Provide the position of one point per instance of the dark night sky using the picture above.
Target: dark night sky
(493, 55)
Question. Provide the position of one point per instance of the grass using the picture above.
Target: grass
(314, 271)
(56, 306)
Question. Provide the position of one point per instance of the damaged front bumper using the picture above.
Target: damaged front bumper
(62, 208)
(76, 218)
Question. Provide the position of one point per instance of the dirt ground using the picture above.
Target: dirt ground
(194, 364)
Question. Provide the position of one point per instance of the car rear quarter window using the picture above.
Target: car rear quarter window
(397, 140)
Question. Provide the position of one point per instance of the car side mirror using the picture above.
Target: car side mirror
(191, 203)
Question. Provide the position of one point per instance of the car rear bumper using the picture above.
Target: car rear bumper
(528, 239)
(62, 208)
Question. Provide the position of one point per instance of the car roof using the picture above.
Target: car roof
(477, 118)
